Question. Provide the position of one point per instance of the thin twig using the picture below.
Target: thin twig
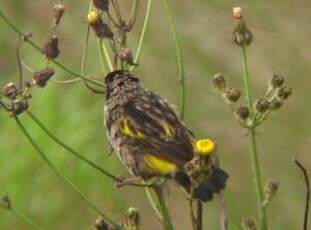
(25, 219)
(153, 203)
(19, 64)
(191, 212)
(199, 215)
(307, 183)
(86, 42)
(222, 211)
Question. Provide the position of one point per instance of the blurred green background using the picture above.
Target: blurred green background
(282, 45)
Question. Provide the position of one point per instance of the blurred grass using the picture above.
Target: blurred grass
(282, 35)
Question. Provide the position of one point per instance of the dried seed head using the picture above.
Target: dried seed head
(237, 12)
(59, 10)
(262, 105)
(101, 29)
(275, 104)
(132, 219)
(232, 94)
(100, 224)
(249, 224)
(50, 49)
(6, 202)
(101, 4)
(126, 55)
(40, 78)
(271, 188)
(276, 81)
(10, 90)
(284, 92)
(243, 112)
(21, 107)
(219, 81)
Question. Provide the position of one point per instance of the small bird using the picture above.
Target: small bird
(149, 138)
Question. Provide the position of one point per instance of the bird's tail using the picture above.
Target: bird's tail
(204, 192)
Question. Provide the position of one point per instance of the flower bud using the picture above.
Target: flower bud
(232, 94)
(101, 29)
(249, 224)
(21, 107)
(237, 12)
(100, 224)
(40, 78)
(243, 112)
(6, 202)
(132, 219)
(275, 103)
(271, 188)
(10, 90)
(126, 55)
(242, 36)
(284, 92)
(219, 81)
(59, 10)
(276, 81)
(262, 105)
(50, 49)
(101, 4)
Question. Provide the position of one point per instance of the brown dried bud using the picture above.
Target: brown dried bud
(50, 49)
(101, 4)
(10, 90)
(242, 36)
(232, 94)
(40, 78)
(101, 29)
(132, 219)
(271, 188)
(284, 92)
(6, 202)
(21, 107)
(243, 112)
(59, 10)
(237, 12)
(262, 105)
(249, 224)
(276, 81)
(219, 81)
(100, 224)
(127, 56)
(275, 103)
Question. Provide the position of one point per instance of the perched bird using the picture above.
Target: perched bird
(149, 138)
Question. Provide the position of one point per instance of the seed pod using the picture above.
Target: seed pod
(6, 202)
(101, 29)
(100, 224)
(232, 94)
(271, 188)
(284, 92)
(262, 105)
(127, 56)
(276, 81)
(275, 103)
(243, 112)
(132, 219)
(50, 49)
(40, 78)
(242, 36)
(101, 4)
(219, 81)
(237, 12)
(59, 10)
(249, 224)
(21, 107)
(10, 90)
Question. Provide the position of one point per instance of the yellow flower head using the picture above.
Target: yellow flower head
(93, 17)
(205, 146)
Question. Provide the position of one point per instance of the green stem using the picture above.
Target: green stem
(25, 219)
(164, 210)
(61, 177)
(102, 55)
(105, 54)
(180, 63)
(254, 151)
(37, 48)
(153, 203)
(143, 33)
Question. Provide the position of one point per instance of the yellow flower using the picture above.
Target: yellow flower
(93, 17)
(205, 146)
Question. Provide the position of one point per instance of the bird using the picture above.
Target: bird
(150, 139)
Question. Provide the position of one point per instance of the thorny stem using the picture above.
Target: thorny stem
(253, 141)
(307, 183)
(25, 219)
(163, 207)
(60, 176)
(180, 63)
(143, 33)
(37, 48)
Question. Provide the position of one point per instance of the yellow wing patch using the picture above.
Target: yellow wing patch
(129, 131)
(158, 165)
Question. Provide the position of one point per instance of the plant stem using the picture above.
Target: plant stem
(153, 203)
(253, 142)
(25, 219)
(143, 33)
(102, 55)
(164, 210)
(61, 177)
(180, 63)
(199, 215)
(37, 48)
